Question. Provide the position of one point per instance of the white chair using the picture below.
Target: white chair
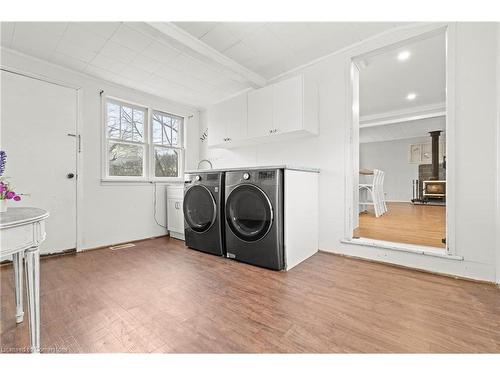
(376, 191)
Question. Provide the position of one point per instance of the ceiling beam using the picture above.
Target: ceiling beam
(183, 37)
(406, 115)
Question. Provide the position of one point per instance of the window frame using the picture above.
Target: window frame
(148, 174)
(180, 148)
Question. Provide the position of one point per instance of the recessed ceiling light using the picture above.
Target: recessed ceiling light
(411, 96)
(403, 55)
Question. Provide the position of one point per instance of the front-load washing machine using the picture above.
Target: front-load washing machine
(254, 217)
(203, 212)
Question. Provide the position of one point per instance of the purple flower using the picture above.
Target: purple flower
(3, 188)
(10, 195)
(17, 198)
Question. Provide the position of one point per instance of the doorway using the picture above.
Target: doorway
(39, 136)
(400, 152)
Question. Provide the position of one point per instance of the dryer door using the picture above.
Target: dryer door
(249, 213)
(200, 210)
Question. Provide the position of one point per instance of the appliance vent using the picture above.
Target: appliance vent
(123, 246)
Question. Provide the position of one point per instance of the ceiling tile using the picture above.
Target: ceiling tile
(68, 61)
(69, 49)
(7, 32)
(145, 63)
(103, 29)
(118, 52)
(220, 37)
(108, 63)
(161, 52)
(38, 39)
(79, 37)
(131, 38)
(197, 29)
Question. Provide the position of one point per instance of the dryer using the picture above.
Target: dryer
(254, 217)
(203, 212)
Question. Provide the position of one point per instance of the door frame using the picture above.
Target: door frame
(78, 143)
(375, 46)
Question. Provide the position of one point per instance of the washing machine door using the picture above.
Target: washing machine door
(249, 213)
(200, 209)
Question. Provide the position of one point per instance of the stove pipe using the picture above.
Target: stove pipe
(435, 154)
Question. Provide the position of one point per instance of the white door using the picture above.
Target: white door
(37, 117)
(260, 112)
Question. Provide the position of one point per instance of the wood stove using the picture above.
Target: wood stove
(431, 185)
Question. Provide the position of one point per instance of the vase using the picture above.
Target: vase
(3, 205)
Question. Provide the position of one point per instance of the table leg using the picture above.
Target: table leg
(17, 260)
(32, 258)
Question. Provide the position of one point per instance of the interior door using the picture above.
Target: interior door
(37, 117)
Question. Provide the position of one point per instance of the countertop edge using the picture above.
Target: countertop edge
(289, 167)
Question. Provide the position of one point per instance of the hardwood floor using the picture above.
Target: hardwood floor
(405, 223)
(162, 297)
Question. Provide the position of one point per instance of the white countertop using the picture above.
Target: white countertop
(258, 167)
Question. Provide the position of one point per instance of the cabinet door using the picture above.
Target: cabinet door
(216, 125)
(236, 110)
(260, 112)
(175, 215)
(288, 105)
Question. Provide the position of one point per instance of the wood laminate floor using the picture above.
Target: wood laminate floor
(162, 297)
(405, 223)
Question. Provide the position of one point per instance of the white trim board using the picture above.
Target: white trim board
(352, 124)
(409, 114)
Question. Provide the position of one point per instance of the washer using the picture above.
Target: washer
(254, 217)
(203, 212)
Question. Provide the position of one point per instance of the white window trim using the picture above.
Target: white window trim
(181, 149)
(148, 167)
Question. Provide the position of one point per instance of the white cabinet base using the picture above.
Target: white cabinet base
(177, 235)
(301, 216)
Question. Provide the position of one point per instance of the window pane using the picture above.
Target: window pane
(157, 129)
(126, 122)
(166, 162)
(138, 123)
(113, 120)
(125, 160)
(175, 132)
(166, 129)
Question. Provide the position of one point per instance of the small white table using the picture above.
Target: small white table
(22, 230)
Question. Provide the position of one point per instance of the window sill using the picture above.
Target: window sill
(415, 249)
(117, 181)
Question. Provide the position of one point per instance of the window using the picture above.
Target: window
(130, 150)
(166, 144)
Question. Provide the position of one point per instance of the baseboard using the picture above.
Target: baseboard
(49, 255)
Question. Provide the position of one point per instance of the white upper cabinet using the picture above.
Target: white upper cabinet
(287, 109)
(227, 122)
(260, 112)
(236, 118)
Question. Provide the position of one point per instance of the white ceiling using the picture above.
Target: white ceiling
(385, 81)
(272, 48)
(138, 55)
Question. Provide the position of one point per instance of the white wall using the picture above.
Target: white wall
(392, 158)
(498, 155)
(110, 212)
(475, 132)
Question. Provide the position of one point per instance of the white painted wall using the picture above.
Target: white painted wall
(392, 158)
(476, 120)
(110, 212)
(498, 155)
